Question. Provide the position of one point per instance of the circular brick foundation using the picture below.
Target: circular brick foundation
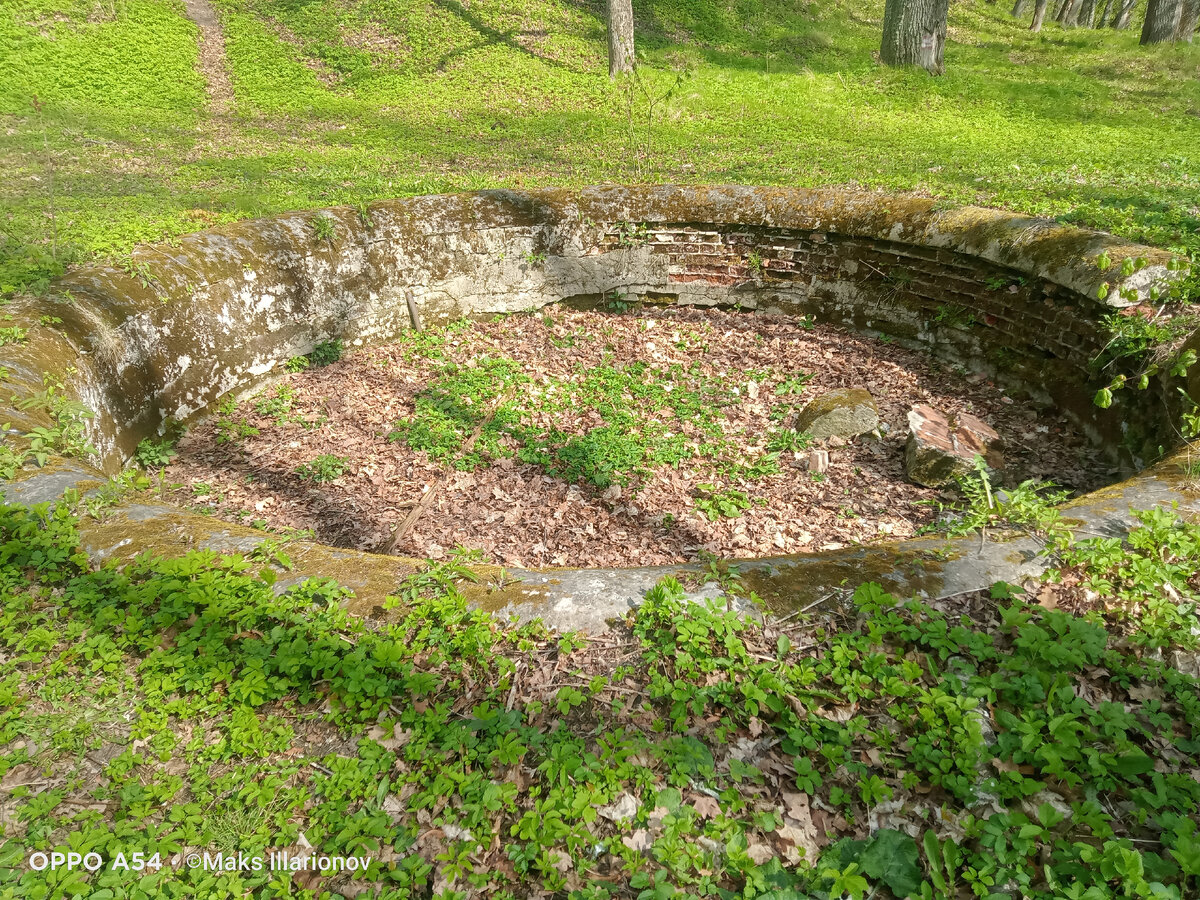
(992, 292)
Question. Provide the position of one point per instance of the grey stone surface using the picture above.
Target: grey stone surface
(33, 486)
(844, 413)
(589, 599)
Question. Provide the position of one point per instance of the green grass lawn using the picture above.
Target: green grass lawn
(338, 102)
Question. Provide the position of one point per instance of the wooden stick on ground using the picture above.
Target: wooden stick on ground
(427, 501)
(414, 313)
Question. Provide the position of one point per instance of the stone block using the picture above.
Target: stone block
(817, 461)
(845, 413)
(943, 447)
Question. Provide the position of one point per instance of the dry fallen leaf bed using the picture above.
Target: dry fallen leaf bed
(520, 514)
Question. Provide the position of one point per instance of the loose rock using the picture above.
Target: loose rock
(817, 461)
(941, 448)
(622, 810)
(844, 413)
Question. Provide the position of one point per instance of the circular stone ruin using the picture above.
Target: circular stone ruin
(1010, 298)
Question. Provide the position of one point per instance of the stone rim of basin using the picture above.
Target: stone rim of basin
(226, 306)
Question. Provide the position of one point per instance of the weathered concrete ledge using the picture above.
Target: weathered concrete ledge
(188, 322)
(588, 599)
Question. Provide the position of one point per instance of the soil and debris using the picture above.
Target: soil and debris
(750, 373)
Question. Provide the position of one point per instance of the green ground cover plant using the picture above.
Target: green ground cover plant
(66, 433)
(326, 467)
(643, 409)
(154, 452)
(717, 504)
(229, 429)
(1150, 579)
(914, 751)
(1031, 505)
(325, 353)
(997, 745)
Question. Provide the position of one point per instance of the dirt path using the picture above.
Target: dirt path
(212, 56)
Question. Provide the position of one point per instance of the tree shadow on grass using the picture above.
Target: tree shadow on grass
(1157, 215)
(490, 37)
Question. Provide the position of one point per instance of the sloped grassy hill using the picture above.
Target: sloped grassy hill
(337, 102)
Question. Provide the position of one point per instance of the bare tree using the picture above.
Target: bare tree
(1162, 18)
(620, 37)
(1018, 9)
(914, 34)
(1188, 20)
(1039, 15)
(1103, 16)
(1087, 14)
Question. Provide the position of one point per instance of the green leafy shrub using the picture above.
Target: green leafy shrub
(455, 404)
(325, 353)
(1032, 505)
(277, 405)
(716, 503)
(1149, 580)
(325, 467)
(13, 335)
(323, 227)
(11, 459)
(226, 428)
(229, 680)
(67, 433)
(788, 440)
(153, 453)
(602, 457)
(793, 385)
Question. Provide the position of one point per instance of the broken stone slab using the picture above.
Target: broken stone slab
(943, 447)
(844, 413)
(817, 461)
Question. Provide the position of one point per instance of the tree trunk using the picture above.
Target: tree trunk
(1188, 20)
(1068, 14)
(1087, 14)
(1103, 17)
(1018, 9)
(914, 34)
(1039, 15)
(1162, 18)
(1124, 11)
(620, 37)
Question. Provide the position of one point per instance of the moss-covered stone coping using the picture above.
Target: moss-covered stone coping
(588, 599)
(187, 322)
